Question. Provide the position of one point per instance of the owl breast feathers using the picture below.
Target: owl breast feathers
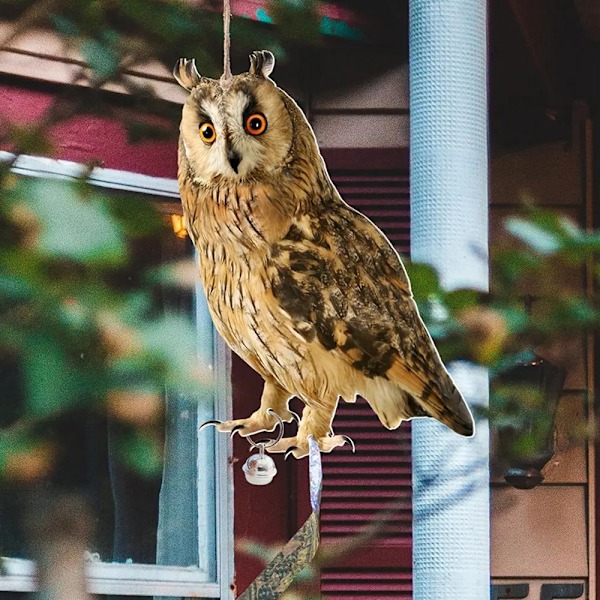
(303, 287)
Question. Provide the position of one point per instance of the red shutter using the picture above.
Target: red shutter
(359, 487)
(383, 197)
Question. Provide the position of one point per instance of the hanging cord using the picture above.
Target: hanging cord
(227, 77)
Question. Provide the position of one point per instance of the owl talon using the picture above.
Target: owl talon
(216, 423)
(235, 430)
(258, 421)
(350, 441)
(298, 445)
(289, 451)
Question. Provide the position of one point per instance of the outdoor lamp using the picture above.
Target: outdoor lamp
(528, 446)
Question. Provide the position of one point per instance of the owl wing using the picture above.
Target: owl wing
(344, 286)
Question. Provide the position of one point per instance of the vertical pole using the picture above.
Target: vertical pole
(449, 230)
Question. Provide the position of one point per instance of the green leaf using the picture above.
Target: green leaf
(575, 311)
(31, 139)
(136, 216)
(51, 385)
(423, 280)
(460, 299)
(15, 288)
(511, 360)
(65, 26)
(73, 227)
(510, 265)
(535, 236)
(516, 318)
(168, 21)
(140, 131)
(141, 452)
(299, 20)
(101, 58)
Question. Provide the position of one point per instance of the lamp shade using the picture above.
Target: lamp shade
(527, 445)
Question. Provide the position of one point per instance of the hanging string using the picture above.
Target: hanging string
(226, 78)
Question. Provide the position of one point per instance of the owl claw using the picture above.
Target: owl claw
(215, 422)
(289, 451)
(235, 430)
(351, 442)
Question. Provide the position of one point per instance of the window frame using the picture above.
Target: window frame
(206, 580)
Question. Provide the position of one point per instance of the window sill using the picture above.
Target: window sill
(19, 575)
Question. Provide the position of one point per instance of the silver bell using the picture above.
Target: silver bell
(259, 469)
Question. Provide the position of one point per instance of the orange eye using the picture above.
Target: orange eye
(256, 124)
(207, 132)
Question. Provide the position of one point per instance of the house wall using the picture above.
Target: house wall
(365, 114)
(543, 535)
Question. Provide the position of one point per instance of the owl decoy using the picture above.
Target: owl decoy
(301, 286)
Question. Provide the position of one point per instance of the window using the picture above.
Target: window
(171, 536)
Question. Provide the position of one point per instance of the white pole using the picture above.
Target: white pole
(449, 230)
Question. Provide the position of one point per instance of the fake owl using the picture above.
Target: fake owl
(304, 288)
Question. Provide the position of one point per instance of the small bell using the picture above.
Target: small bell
(259, 469)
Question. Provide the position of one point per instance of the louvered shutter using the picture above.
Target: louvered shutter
(359, 487)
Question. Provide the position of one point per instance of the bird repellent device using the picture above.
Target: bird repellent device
(304, 288)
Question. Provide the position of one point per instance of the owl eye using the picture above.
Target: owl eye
(256, 124)
(208, 132)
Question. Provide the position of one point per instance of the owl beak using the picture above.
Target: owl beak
(234, 159)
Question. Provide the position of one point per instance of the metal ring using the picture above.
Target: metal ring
(272, 442)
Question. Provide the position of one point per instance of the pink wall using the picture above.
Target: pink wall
(86, 138)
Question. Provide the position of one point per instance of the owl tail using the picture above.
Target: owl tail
(439, 399)
(449, 409)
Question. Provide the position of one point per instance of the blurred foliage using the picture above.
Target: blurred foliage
(77, 335)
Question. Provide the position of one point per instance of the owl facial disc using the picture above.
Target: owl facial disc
(242, 131)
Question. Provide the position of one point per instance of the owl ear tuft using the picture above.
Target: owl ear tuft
(186, 73)
(262, 63)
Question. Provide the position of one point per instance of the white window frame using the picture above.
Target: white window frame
(207, 580)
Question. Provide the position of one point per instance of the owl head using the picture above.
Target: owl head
(244, 129)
